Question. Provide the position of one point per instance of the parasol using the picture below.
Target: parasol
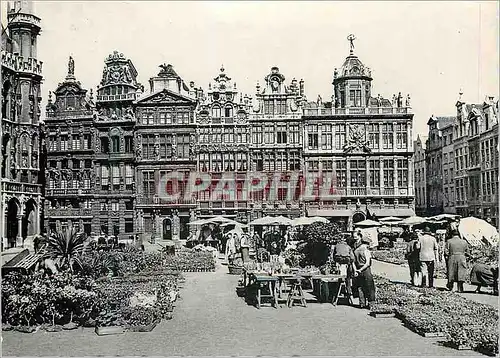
(448, 217)
(367, 223)
(220, 220)
(390, 219)
(199, 222)
(302, 221)
(476, 231)
(413, 220)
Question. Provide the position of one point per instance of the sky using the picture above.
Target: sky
(429, 49)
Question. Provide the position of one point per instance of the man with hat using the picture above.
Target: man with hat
(428, 247)
(363, 274)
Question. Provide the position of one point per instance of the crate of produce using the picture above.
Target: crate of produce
(235, 270)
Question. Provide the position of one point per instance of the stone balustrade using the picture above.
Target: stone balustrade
(18, 63)
(355, 111)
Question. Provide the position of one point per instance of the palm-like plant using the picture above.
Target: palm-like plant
(65, 248)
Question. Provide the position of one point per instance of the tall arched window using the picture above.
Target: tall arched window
(216, 112)
(115, 144)
(228, 111)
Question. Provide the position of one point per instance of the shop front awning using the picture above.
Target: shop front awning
(330, 212)
(399, 213)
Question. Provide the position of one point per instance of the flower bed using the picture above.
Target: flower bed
(393, 256)
(141, 293)
(432, 312)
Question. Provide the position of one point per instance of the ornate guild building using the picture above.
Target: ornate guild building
(276, 142)
(22, 139)
(165, 136)
(365, 141)
(70, 177)
(111, 162)
(114, 122)
(222, 146)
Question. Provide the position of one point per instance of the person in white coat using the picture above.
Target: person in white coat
(230, 247)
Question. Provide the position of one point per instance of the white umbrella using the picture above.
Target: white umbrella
(320, 219)
(389, 219)
(413, 220)
(303, 221)
(441, 217)
(221, 219)
(199, 222)
(280, 220)
(367, 223)
(475, 231)
(261, 221)
(235, 224)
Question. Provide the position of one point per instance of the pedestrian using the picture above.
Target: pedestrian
(362, 271)
(413, 257)
(343, 256)
(245, 248)
(230, 248)
(456, 250)
(428, 254)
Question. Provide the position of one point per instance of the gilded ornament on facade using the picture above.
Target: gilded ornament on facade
(357, 140)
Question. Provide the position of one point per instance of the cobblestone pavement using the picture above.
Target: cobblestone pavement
(402, 274)
(210, 319)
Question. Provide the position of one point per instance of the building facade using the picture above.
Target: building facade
(434, 163)
(366, 143)
(116, 164)
(420, 177)
(476, 159)
(165, 136)
(223, 146)
(276, 144)
(22, 139)
(70, 170)
(448, 169)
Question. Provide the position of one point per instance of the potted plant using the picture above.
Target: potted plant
(109, 322)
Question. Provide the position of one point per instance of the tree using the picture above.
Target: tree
(316, 241)
(65, 248)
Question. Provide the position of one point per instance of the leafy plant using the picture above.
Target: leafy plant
(65, 248)
(316, 241)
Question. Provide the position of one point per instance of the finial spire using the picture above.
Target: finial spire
(460, 94)
(222, 68)
(351, 39)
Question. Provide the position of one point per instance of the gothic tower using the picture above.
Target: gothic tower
(21, 141)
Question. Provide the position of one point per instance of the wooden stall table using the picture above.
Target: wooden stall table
(296, 292)
(282, 277)
(261, 281)
(322, 289)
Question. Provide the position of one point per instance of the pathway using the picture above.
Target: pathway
(402, 274)
(211, 320)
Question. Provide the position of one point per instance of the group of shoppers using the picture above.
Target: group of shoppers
(355, 262)
(422, 255)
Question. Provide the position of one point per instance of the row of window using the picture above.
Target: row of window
(279, 134)
(113, 145)
(66, 142)
(226, 135)
(163, 149)
(73, 163)
(166, 118)
(112, 175)
(69, 184)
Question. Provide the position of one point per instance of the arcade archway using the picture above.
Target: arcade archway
(167, 229)
(12, 227)
(357, 217)
(29, 226)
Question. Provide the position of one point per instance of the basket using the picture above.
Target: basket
(235, 270)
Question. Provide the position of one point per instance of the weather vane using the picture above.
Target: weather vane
(351, 39)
